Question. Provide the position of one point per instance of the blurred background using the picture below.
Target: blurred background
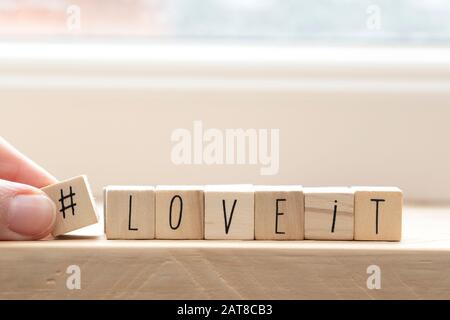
(321, 21)
(360, 90)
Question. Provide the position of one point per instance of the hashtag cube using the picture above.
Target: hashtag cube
(75, 206)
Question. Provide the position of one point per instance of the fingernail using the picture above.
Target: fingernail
(31, 215)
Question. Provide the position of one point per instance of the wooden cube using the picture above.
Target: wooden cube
(279, 213)
(229, 212)
(75, 204)
(129, 212)
(329, 213)
(179, 212)
(378, 213)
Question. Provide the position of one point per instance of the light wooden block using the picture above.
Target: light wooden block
(229, 212)
(74, 204)
(179, 212)
(329, 213)
(279, 213)
(378, 213)
(129, 212)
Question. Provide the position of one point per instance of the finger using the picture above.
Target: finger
(26, 213)
(14, 166)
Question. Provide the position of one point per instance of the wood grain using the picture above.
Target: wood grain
(414, 268)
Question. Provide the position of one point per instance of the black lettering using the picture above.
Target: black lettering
(334, 217)
(130, 205)
(181, 212)
(277, 214)
(377, 201)
(72, 204)
(228, 223)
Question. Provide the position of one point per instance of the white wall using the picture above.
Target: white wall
(331, 134)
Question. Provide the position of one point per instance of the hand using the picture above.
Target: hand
(26, 213)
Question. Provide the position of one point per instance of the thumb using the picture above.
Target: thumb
(26, 213)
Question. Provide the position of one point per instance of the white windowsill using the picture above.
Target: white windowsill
(199, 66)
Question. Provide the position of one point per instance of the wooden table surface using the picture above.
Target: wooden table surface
(418, 267)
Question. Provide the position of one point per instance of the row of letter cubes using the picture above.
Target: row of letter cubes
(241, 212)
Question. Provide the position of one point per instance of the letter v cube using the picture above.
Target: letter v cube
(229, 212)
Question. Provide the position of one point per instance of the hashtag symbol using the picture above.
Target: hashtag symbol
(63, 202)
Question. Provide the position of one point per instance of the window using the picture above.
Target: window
(403, 22)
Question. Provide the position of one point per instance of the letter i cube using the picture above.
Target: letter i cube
(329, 213)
